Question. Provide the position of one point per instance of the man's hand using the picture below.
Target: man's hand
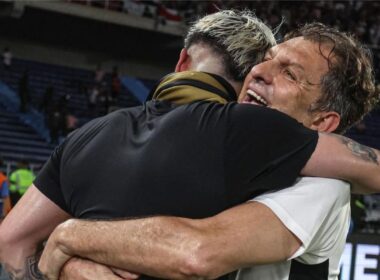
(81, 269)
(53, 259)
(55, 263)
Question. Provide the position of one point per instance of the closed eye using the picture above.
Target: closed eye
(290, 75)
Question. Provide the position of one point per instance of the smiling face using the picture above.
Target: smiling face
(288, 79)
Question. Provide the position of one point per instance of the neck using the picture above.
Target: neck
(205, 60)
(208, 68)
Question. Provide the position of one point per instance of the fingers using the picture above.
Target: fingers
(125, 274)
(81, 269)
(51, 261)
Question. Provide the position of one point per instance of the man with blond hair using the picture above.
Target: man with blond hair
(228, 155)
(44, 207)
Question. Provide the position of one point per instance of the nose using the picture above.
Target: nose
(263, 72)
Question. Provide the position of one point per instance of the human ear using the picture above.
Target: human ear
(326, 121)
(184, 61)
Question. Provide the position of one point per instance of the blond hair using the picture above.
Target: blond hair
(239, 37)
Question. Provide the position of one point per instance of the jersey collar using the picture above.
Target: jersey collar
(189, 86)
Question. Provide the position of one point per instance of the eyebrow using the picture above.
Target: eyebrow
(299, 66)
(295, 64)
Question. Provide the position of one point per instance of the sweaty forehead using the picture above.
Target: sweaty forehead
(296, 50)
(302, 53)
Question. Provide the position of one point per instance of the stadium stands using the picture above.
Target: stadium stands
(24, 136)
(19, 135)
(18, 142)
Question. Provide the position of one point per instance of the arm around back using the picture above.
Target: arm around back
(28, 224)
(175, 248)
(342, 158)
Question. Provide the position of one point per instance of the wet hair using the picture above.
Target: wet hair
(348, 87)
(239, 37)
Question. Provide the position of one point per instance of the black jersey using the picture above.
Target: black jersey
(159, 159)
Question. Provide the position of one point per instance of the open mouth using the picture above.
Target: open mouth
(253, 98)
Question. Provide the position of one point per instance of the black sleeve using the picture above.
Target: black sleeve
(48, 179)
(53, 178)
(265, 149)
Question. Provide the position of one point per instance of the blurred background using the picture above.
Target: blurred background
(65, 62)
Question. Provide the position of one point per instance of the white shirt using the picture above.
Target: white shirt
(317, 211)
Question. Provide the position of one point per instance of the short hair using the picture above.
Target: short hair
(239, 37)
(348, 87)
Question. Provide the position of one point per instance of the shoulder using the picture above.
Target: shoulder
(263, 119)
(314, 190)
(307, 201)
(93, 127)
(318, 182)
(240, 114)
(327, 188)
(254, 110)
(316, 210)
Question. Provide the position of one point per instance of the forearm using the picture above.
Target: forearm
(177, 248)
(22, 262)
(24, 229)
(20, 257)
(342, 158)
(159, 246)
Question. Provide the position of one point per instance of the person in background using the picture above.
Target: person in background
(115, 84)
(20, 180)
(5, 202)
(7, 58)
(99, 75)
(54, 121)
(93, 97)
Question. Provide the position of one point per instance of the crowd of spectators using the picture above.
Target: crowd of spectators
(361, 18)
(103, 95)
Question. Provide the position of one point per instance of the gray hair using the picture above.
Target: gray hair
(239, 37)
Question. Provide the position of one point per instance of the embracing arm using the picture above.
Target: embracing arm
(339, 157)
(24, 229)
(175, 248)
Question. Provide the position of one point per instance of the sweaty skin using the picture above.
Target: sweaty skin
(286, 81)
(199, 248)
(191, 246)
